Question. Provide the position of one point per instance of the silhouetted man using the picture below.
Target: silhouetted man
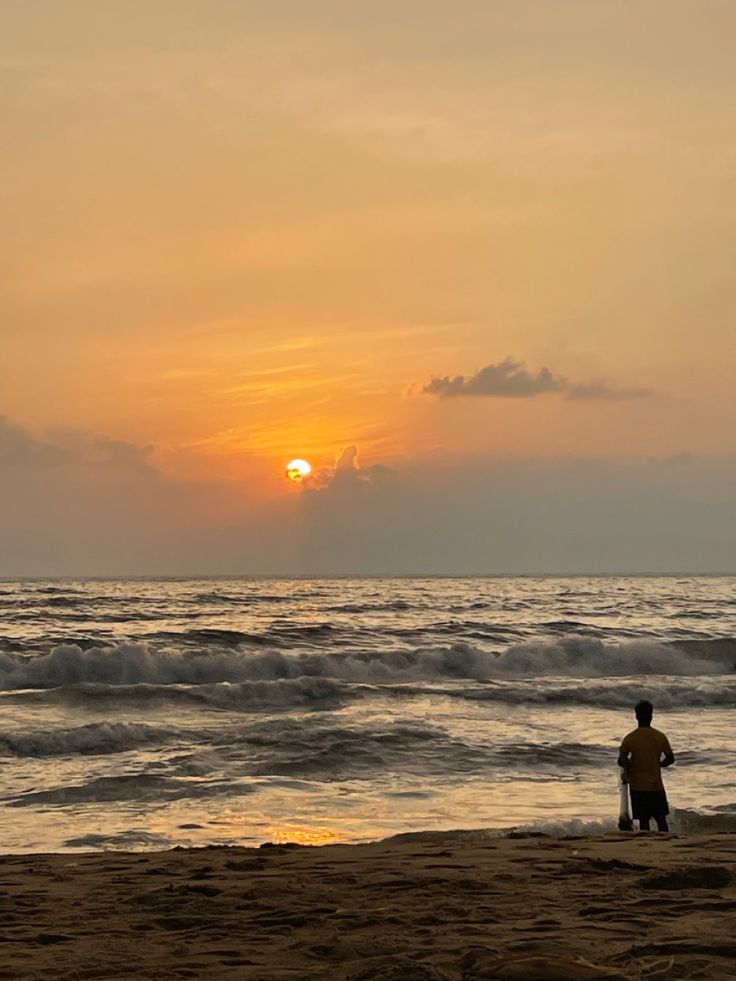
(642, 755)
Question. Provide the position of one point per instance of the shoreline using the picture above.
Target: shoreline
(683, 822)
(420, 907)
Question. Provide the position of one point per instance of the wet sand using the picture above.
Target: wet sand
(422, 908)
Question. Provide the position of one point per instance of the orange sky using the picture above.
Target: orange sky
(236, 234)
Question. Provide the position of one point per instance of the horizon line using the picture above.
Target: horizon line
(182, 576)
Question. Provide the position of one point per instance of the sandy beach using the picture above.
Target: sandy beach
(421, 908)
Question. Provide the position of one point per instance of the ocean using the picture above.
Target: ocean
(144, 714)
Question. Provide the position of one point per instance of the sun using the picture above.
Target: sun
(298, 470)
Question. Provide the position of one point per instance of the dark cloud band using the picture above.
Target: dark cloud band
(511, 379)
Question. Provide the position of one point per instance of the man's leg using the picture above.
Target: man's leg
(644, 824)
(661, 823)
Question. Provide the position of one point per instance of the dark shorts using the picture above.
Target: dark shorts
(647, 804)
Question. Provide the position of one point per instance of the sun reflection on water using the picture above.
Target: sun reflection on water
(283, 833)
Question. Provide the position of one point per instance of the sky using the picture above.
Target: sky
(472, 260)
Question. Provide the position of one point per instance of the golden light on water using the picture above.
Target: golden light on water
(294, 834)
(298, 470)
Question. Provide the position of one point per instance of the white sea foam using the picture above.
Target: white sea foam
(681, 821)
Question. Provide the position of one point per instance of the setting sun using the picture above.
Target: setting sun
(298, 470)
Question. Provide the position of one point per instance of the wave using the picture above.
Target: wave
(701, 822)
(54, 590)
(328, 753)
(66, 601)
(451, 628)
(428, 754)
(97, 738)
(526, 755)
(612, 693)
(133, 840)
(239, 599)
(323, 694)
(130, 787)
(215, 636)
(681, 821)
(318, 747)
(277, 635)
(308, 749)
(251, 696)
(571, 657)
(390, 606)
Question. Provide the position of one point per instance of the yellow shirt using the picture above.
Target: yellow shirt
(646, 746)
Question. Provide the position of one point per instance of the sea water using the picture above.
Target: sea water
(150, 713)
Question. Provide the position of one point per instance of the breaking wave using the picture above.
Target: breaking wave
(135, 664)
(681, 821)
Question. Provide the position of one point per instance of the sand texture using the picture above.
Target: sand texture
(426, 908)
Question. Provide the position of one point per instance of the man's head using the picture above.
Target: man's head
(644, 711)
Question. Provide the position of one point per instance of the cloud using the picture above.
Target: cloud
(348, 467)
(526, 517)
(18, 448)
(68, 448)
(505, 379)
(511, 379)
(80, 503)
(101, 455)
(347, 462)
(75, 503)
(347, 474)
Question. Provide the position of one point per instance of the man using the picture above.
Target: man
(642, 755)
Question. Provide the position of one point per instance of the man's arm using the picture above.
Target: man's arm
(624, 761)
(669, 756)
